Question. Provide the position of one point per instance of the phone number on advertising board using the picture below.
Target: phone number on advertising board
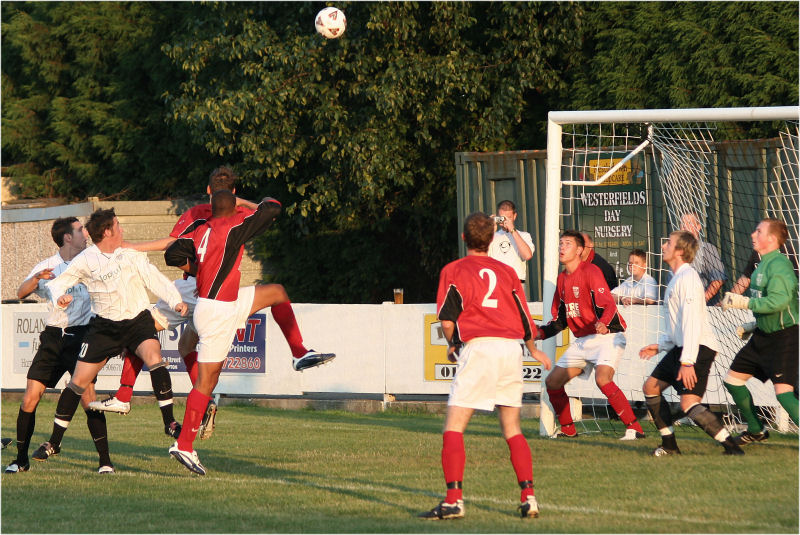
(530, 373)
(242, 363)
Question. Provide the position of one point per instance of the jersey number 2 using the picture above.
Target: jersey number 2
(487, 299)
(201, 250)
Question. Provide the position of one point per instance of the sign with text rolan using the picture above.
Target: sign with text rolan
(27, 327)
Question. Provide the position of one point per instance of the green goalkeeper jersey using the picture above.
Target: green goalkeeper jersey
(773, 293)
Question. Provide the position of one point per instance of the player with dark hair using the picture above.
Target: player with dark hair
(590, 255)
(771, 352)
(221, 178)
(484, 314)
(583, 302)
(117, 280)
(59, 345)
(212, 252)
(691, 349)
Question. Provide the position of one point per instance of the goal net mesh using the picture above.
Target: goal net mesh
(661, 177)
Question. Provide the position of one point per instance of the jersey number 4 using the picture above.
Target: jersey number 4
(201, 250)
(490, 275)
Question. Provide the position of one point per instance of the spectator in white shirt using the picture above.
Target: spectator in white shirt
(511, 246)
(691, 349)
(640, 288)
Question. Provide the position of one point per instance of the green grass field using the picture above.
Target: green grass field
(333, 472)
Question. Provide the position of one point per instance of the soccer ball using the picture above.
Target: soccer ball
(330, 23)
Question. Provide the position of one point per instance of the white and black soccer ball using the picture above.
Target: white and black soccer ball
(330, 23)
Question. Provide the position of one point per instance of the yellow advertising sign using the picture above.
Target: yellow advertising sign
(600, 166)
(438, 368)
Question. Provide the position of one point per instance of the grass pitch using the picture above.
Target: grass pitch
(333, 472)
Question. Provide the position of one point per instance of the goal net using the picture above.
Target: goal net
(628, 179)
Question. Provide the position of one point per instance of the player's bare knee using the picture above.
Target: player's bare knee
(31, 399)
(650, 387)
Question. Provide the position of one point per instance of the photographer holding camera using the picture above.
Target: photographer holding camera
(511, 246)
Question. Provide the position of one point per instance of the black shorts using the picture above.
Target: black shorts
(667, 370)
(107, 338)
(57, 354)
(770, 356)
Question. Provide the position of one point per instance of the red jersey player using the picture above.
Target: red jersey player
(220, 178)
(213, 252)
(482, 307)
(584, 303)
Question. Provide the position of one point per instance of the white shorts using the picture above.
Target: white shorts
(168, 318)
(593, 350)
(489, 373)
(216, 323)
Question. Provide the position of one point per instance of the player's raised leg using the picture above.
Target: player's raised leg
(275, 297)
(120, 402)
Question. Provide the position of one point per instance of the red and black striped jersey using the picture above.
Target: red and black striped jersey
(193, 218)
(484, 298)
(582, 299)
(215, 247)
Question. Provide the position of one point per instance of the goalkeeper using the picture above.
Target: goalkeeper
(772, 351)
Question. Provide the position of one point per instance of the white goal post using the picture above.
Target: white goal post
(682, 152)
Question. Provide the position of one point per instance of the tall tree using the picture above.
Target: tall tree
(83, 111)
(686, 55)
(358, 133)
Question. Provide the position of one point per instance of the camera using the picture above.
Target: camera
(499, 220)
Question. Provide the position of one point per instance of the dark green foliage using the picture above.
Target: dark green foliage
(83, 112)
(355, 136)
(687, 55)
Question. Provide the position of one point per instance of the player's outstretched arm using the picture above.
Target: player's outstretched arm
(246, 204)
(30, 284)
(146, 246)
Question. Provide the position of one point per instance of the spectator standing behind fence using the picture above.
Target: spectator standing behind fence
(707, 261)
(640, 288)
(589, 255)
(511, 246)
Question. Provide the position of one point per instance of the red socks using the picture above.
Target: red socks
(131, 366)
(284, 317)
(453, 461)
(196, 404)
(522, 462)
(191, 366)
(560, 403)
(620, 404)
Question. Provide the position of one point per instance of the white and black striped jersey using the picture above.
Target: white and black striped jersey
(79, 312)
(117, 282)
